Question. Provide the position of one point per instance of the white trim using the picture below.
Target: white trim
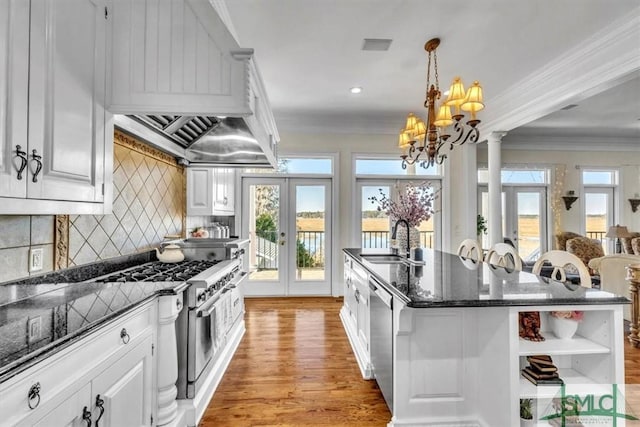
(606, 59)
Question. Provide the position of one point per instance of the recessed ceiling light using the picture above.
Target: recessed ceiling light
(446, 93)
(222, 117)
(355, 89)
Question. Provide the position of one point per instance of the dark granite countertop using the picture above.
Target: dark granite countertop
(446, 280)
(59, 314)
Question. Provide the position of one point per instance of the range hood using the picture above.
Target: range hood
(186, 86)
(206, 140)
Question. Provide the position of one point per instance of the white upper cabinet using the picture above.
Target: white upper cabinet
(174, 57)
(223, 203)
(53, 78)
(14, 83)
(210, 191)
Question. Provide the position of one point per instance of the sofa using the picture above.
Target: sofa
(612, 271)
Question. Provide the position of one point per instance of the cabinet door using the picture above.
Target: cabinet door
(224, 199)
(125, 389)
(200, 191)
(67, 413)
(66, 100)
(14, 73)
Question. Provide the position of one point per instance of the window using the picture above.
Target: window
(299, 166)
(517, 176)
(375, 226)
(391, 166)
(599, 188)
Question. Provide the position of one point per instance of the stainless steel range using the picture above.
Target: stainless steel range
(213, 305)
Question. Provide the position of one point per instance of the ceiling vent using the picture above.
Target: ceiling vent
(376, 44)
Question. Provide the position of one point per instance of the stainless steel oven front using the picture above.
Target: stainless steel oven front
(202, 325)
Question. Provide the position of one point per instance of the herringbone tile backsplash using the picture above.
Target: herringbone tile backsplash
(148, 203)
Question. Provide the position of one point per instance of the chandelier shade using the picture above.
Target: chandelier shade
(422, 140)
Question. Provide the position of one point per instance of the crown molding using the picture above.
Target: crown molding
(570, 143)
(602, 61)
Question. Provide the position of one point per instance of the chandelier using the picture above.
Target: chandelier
(420, 141)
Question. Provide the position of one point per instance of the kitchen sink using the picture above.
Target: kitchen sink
(384, 258)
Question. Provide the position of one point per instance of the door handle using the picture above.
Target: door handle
(23, 159)
(38, 159)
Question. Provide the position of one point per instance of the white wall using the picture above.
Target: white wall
(627, 162)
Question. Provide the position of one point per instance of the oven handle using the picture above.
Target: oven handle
(208, 309)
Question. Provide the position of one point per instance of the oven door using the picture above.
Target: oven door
(203, 343)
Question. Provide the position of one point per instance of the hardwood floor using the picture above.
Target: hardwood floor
(295, 367)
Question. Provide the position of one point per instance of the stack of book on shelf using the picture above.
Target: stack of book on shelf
(541, 370)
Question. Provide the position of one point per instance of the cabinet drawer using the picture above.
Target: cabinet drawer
(73, 365)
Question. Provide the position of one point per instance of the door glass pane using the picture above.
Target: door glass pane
(310, 232)
(375, 224)
(597, 215)
(426, 227)
(529, 225)
(264, 232)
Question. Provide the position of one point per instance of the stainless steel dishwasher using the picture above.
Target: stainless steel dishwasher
(381, 330)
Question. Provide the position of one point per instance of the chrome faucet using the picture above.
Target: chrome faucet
(395, 231)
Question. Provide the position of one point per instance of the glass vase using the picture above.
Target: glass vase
(401, 238)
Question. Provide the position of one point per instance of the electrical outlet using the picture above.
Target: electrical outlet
(34, 326)
(36, 259)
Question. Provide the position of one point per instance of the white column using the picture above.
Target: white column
(461, 187)
(169, 308)
(495, 187)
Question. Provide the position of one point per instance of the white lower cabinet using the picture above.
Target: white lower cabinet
(106, 378)
(66, 413)
(123, 392)
(355, 313)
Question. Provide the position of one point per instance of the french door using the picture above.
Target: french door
(288, 221)
(524, 218)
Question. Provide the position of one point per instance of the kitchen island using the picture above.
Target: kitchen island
(455, 354)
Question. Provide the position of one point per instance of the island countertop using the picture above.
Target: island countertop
(447, 280)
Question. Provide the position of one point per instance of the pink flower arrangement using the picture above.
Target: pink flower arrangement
(571, 315)
(415, 205)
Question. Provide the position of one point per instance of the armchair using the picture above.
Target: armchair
(612, 271)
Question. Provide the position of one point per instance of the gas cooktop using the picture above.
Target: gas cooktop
(157, 271)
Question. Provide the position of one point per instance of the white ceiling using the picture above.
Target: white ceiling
(309, 54)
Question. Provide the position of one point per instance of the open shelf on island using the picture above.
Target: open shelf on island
(569, 376)
(552, 345)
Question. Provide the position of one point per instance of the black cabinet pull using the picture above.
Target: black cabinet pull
(125, 336)
(34, 394)
(38, 158)
(23, 161)
(99, 404)
(86, 416)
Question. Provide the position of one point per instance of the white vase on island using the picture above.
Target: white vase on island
(564, 329)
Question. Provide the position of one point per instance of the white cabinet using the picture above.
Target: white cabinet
(123, 391)
(588, 363)
(56, 137)
(67, 412)
(223, 204)
(355, 313)
(210, 191)
(111, 368)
